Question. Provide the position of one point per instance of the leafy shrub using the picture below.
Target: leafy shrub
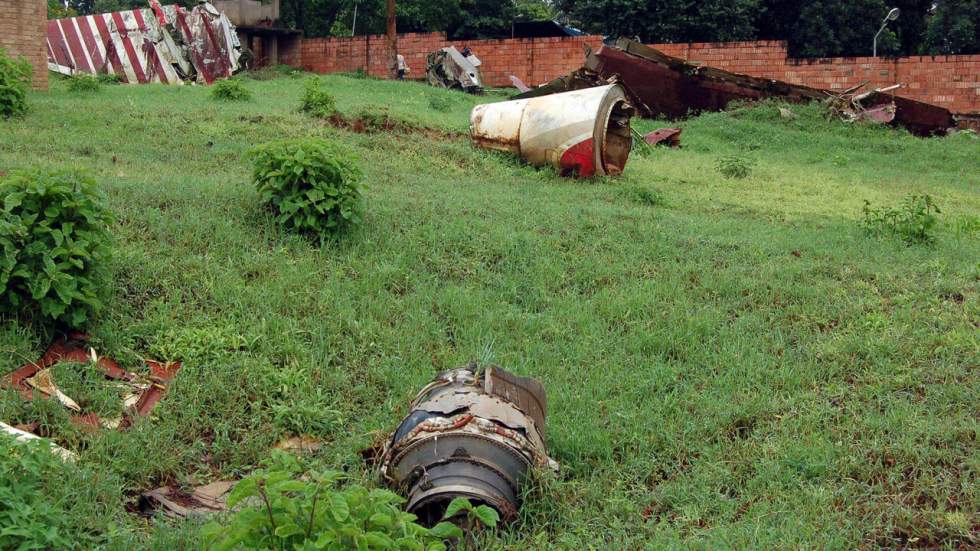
(230, 89)
(440, 103)
(53, 242)
(284, 509)
(316, 101)
(109, 79)
(45, 504)
(913, 220)
(83, 83)
(15, 77)
(733, 166)
(644, 195)
(309, 185)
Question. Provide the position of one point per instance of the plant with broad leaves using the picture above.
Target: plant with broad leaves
(913, 220)
(54, 243)
(316, 101)
(475, 515)
(285, 506)
(230, 89)
(15, 77)
(311, 186)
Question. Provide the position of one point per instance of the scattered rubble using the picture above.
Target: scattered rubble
(582, 133)
(165, 44)
(177, 503)
(450, 68)
(141, 393)
(658, 84)
(470, 433)
(24, 436)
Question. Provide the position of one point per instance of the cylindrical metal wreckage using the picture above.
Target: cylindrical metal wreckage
(581, 133)
(470, 433)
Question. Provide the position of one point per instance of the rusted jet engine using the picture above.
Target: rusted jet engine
(471, 433)
(583, 133)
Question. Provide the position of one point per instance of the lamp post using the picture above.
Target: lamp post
(892, 15)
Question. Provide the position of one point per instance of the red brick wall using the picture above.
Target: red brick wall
(949, 81)
(22, 33)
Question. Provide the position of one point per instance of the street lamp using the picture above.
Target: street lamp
(892, 15)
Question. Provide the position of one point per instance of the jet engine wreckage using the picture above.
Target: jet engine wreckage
(472, 433)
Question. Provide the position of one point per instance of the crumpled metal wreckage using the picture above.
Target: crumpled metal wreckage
(140, 393)
(450, 68)
(581, 133)
(472, 433)
(164, 44)
(661, 85)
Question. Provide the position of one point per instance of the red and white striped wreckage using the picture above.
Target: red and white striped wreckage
(167, 44)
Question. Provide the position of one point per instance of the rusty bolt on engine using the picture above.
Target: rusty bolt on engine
(470, 433)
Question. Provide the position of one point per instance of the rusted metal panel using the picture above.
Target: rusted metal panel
(661, 85)
(671, 137)
(165, 44)
(582, 133)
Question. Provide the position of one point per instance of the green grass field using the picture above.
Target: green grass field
(730, 363)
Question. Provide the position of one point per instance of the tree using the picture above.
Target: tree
(954, 28)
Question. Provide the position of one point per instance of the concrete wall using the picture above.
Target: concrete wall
(248, 12)
(952, 82)
(22, 33)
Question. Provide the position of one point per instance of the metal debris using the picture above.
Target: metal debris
(175, 502)
(141, 393)
(470, 433)
(299, 444)
(166, 44)
(850, 106)
(582, 133)
(24, 436)
(671, 137)
(519, 84)
(450, 68)
(658, 84)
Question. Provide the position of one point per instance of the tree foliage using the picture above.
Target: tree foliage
(954, 28)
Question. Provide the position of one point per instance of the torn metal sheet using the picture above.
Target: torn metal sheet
(582, 133)
(519, 84)
(450, 68)
(164, 44)
(661, 85)
(141, 394)
(24, 436)
(671, 137)
(470, 433)
(203, 500)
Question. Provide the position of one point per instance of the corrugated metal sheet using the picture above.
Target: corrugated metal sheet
(166, 44)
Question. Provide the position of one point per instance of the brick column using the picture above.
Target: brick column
(22, 33)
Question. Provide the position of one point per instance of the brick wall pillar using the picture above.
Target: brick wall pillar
(22, 33)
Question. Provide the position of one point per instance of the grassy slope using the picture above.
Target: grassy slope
(740, 366)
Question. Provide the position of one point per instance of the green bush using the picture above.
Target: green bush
(733, 166)
(46, 504)
(913, 220)
(440, 103)
(230, 89)
(53, 242)
(310, 185)
(284, 506)
(109, 79)
(316, 101)
(83, 83)
(15, 77)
